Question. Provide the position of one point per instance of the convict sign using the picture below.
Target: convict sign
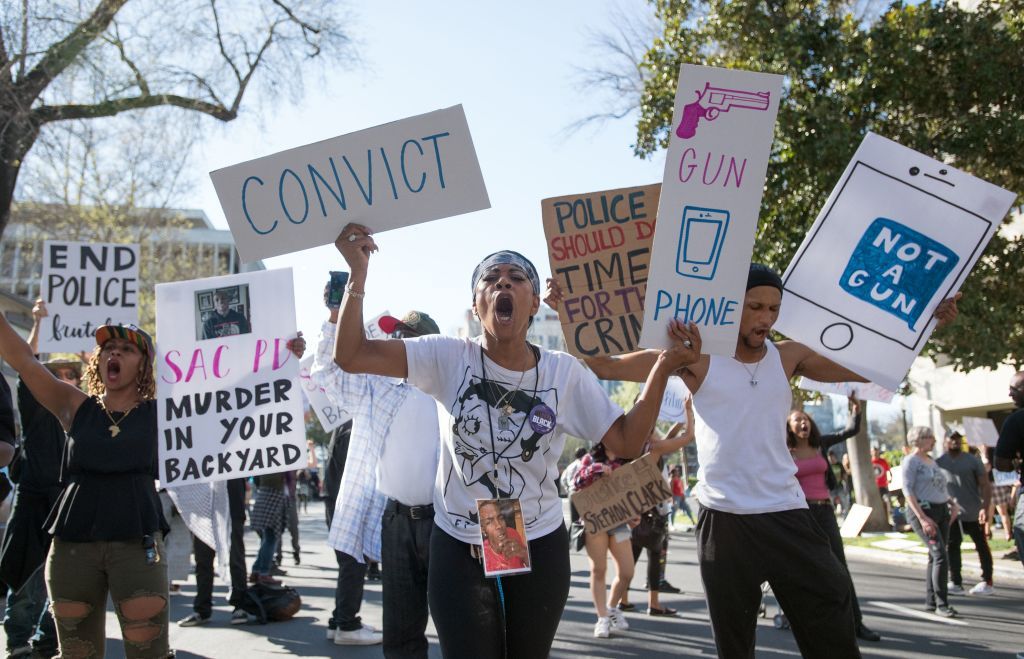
(710, 200)
(86, 285)
(599, 246)
(899, 233)
(627, 492)
(229, 401)
(393, 175)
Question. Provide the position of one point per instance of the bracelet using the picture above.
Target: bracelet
(359, 295)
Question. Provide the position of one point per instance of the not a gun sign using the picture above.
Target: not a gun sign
(230, 402)
(86, 285)
(599, 247)
(628, 492)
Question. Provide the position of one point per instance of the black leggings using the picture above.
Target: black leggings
(467, 611)
(825, 515)
(651, 535)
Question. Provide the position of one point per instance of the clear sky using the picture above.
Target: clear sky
(515, 69)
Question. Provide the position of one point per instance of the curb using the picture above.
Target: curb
(1007, 572)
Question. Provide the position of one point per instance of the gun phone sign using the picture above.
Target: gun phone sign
(710, 199)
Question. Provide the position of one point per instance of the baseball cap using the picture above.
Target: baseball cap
(131, 332)
(414, 322)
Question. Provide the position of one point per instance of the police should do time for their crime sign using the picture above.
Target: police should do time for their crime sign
(86, 285)
(228, 389)
(394, 175)
(899, 233)
(710, 199)
(599, 248)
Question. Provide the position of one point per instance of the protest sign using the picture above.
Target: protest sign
(327, 413)
(599, 246)
(710, 200)
(86, 285)
(673, 403)
(863, 390)
(855, 520)
(227, 385)
(980, 431)
(899, 233)
(627, 492)
(401, 173)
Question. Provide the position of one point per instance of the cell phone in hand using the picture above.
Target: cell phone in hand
(336, 289)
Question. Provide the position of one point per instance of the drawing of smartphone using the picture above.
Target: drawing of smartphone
(336, 289)
(701, 236)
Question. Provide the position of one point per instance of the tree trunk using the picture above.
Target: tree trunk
(864, 485)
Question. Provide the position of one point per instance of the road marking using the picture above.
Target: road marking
(919, 614)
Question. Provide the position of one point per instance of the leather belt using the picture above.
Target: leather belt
(412, 512)
(819, 502)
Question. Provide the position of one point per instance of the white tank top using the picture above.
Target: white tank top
(745, 466)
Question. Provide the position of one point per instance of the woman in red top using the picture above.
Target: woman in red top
(808, 448)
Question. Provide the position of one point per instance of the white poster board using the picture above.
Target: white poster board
(86, 285)
(863, 390)
(980, 431)
(327, 413)
(227, 385)
(710, 201)
(673, 403)
(855, 520)
(401, 173)
(899, 233)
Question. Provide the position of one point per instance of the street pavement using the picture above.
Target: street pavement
(891, 595)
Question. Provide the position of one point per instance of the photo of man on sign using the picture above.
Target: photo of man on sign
(222, 312)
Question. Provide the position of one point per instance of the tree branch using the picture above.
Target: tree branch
(63, 53)
(118, 43)
(47, 113)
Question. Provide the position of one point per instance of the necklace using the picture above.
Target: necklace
(114, 428)
(504, 404)
(506, 408)
(753, 374)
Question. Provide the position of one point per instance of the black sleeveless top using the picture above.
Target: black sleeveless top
(109, 482)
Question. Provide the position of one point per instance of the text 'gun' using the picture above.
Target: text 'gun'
(715, 100)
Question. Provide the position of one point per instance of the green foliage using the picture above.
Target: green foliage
(934, 77)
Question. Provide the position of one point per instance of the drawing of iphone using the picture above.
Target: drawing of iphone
(701, 237)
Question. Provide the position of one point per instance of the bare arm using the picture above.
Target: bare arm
(353, 352)
(59, 398)
(985, 486)
(38, 313)
(627, 435)
(679, 435)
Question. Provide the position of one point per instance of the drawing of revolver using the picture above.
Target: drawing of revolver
(713, 101)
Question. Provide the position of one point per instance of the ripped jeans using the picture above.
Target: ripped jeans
(79, 575)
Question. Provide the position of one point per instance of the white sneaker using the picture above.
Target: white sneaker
(983, 588)
(618, 620)
(954, 589)
(362, 636)
(602, 628)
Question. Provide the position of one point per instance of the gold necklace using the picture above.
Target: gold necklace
(114, 429)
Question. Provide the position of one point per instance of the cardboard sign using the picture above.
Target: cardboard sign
(229, 403)
(599, 247)
(863, 390)
(86, 285)
(899, 233)
(627, 492)
(980, 431)
(710, 200)
(393, 175)
(327, 413)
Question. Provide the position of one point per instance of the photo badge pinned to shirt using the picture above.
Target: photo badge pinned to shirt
(504, 548)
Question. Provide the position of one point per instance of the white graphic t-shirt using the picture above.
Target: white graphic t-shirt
(488, 454)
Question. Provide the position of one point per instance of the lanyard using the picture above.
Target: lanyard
(490, 421)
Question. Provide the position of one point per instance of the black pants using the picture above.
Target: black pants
(348, 593)
(788, 550)
(935, 587)
(977, 535)
(203, 602)
(405, 550)
(651, 535)
(467, 610)
(825, 515)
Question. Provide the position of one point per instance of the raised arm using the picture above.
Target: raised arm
(353, 352)
(627, 435)
(38, 313)
(61, 399)
(679, 435)
(852, 426)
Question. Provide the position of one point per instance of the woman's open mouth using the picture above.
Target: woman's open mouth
(503, 308)
(113, 369)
